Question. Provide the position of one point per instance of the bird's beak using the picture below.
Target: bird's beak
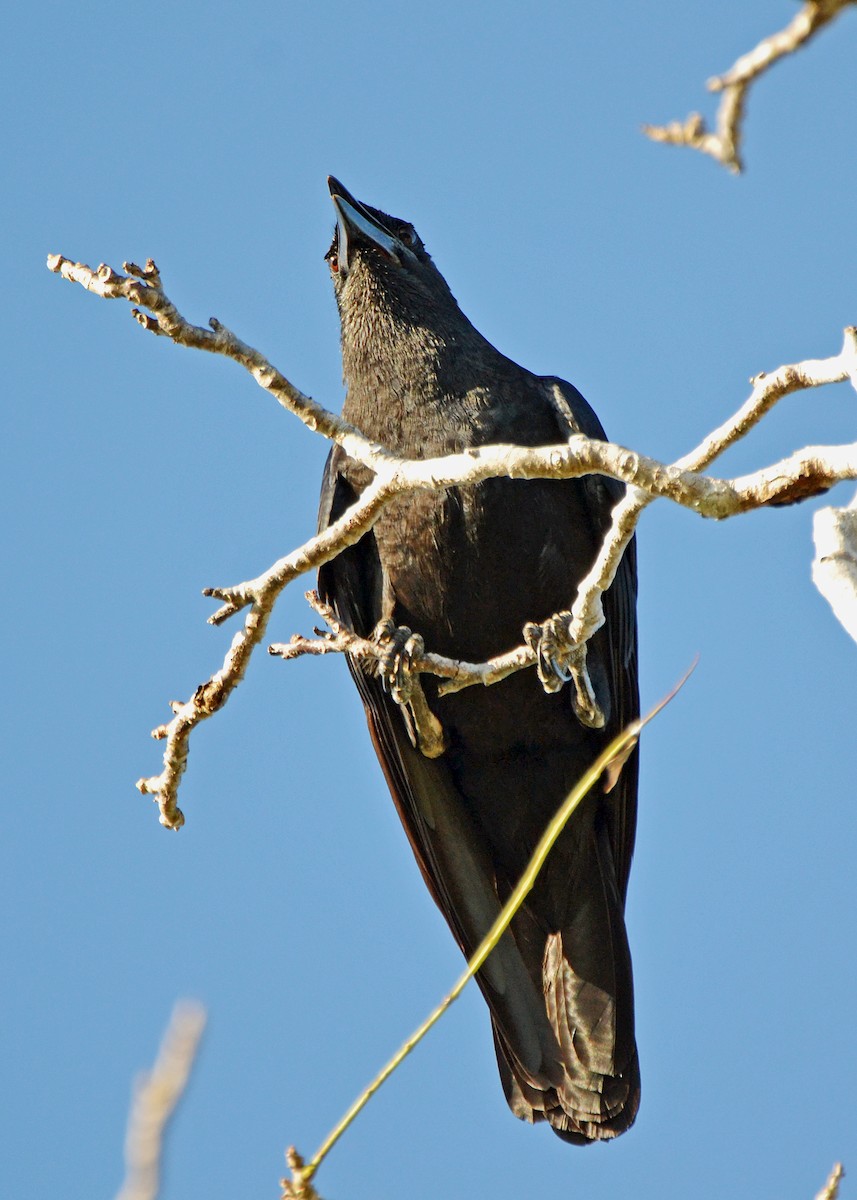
(354, 225)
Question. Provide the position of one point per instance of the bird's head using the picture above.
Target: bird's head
(364, 231)
(379, 260)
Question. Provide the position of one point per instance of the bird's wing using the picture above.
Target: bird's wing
(574, 414)
(453, 858)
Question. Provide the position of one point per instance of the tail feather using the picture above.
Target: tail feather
(588, 996)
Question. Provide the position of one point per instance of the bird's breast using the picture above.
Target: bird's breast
(469, 566)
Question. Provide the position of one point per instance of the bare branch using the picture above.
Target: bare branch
(724, 145)
(834, 571)
(156, 1095)
(456, 673)
(797, 477)
(830, 1191)
(768, 388)
(299, 1187)
(261, 595)
(142, 286)
(801, 475)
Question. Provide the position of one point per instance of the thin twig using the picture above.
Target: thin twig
(724, 145)
(767, 389)
(830, 1191)
(156, 1095)
(142, 286)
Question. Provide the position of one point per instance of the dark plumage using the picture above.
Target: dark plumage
(466, 569)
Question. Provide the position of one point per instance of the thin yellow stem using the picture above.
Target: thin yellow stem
(619, 749)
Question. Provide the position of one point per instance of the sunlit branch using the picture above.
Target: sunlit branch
(156, 1094)
(724, 142)
(802, 474)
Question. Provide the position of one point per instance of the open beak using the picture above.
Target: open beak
(356, 226)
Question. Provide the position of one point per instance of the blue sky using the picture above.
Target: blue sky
(137, 473)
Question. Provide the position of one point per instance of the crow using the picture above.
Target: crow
(466, 569)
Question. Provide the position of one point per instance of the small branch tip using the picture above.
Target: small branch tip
(733, 85)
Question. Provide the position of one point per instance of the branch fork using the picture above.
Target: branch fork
(723, 144)
(646, 479)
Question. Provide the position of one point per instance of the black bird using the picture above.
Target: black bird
(466, 569)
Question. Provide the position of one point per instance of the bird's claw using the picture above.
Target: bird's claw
(560, 660)
(397, 648)
(553, 649)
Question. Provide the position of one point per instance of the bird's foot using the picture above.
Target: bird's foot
(397, 648)
(560, 660)
(553, 649)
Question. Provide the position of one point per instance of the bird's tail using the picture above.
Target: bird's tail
(585, 978)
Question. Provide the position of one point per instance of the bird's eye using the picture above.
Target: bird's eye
(407, 235)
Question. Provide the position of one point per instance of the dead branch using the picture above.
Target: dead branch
(724, 144)
(142, 286)
(834, 571)
(299, 1187)
(830, 1191)
(156, 1095)
(802, 474)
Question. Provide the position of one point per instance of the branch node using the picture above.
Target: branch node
(734, 84)
(147, 322)
(149, 274)
(234, 599)
(299, 1186)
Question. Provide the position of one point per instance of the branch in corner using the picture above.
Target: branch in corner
(724, 143)
(830, 1191)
